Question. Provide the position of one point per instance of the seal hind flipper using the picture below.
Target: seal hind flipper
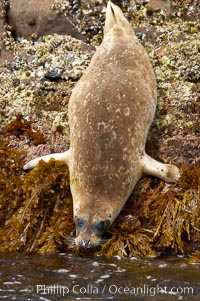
(166, 172)
(115, 17)
(64, 157)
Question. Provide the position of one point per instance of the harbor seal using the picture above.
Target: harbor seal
(110, 111)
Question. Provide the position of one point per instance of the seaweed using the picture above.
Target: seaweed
(167, 219)
(20, 127)
(40, 205)
(10, 181)
(36, 212)
(129, 244)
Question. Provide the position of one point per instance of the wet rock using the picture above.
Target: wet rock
(6, 56)
(145, 34)
(155, 5)
(2, 17)
(53, 75)
(35, 18)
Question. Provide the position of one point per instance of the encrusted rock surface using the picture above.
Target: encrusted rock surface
(37, 80)
(37, 77)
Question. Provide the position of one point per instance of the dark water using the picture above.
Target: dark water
(65, 277)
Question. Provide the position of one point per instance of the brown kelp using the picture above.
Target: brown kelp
(36, 212)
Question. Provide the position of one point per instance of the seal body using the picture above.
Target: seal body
(110, 112)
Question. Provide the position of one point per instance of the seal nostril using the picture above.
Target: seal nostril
(86, 242)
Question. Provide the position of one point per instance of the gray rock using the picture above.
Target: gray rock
(37, 17)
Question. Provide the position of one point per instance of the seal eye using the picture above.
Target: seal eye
(100, 227)
(80, 223)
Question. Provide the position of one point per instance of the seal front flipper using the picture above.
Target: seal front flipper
(166, 172)
(64, 157)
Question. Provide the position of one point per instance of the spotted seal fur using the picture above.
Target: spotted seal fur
(110, 111)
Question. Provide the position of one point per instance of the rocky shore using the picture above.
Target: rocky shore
(45, 48)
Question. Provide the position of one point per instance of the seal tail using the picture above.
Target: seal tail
(114, 16)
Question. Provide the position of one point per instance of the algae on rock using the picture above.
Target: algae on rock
(37, 78)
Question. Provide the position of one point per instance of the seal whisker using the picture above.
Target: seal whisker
(69, 239)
